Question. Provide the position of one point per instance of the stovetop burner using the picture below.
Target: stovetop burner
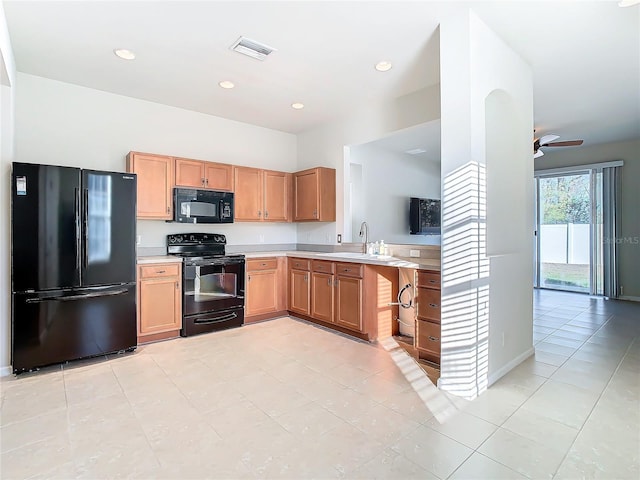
(199, 245)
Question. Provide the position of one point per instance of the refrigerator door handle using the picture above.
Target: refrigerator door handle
(85, 226)
(84, 296)
(78, 235)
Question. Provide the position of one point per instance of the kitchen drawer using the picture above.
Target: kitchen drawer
(258, 264)
(299, 264)
(428, 279)
(160, 270)
(428, 304)
(428, 337)
(322, 266)
(349, 269)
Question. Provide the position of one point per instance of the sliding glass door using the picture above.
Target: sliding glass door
(569, 231)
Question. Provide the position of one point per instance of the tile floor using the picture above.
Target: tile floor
(285, 399)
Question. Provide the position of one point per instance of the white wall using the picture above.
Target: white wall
(486, 90)
(629, 151)
(63, 124)
(389, 179)
(326, 145)
(7, 106)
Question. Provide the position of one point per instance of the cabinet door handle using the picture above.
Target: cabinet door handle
(315, 214)
(329, 281)
(206, 181)
(168, 209)
(177, 285)
(160, 271)
(266, 214)
(202, 180)
(259, 213)
(433, 339)
(305, 278)
(433, 305)
(336, 282)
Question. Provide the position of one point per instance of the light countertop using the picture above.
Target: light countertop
(351, 257)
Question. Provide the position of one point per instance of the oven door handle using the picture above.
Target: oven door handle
(224, 318)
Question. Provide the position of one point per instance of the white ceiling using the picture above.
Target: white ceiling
(585, 56)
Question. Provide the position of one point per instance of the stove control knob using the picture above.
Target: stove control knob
(178, 238)
(192, 238)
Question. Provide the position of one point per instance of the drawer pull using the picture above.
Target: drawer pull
(347, 269)
(263, 264)
(432, 281)
(433, 339)
(433, 305)
(160, 271)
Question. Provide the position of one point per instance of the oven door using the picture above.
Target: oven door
(213, 285)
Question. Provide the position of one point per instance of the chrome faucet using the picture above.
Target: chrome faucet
(364, 232)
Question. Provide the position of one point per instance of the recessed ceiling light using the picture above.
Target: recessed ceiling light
(383, 66)
(297, 105)
(628, 3)
(124, 53)
(226, 84)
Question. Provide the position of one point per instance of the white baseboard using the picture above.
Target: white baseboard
(630, 298)
(495, 376)
(5, 371)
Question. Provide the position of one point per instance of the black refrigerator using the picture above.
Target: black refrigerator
(73, 264)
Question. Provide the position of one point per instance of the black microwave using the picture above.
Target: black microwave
(192, 205)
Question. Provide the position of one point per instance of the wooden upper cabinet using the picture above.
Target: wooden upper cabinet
(248, 194)
(201, 174)
(315, 195)
(277, 196)
(262, 195)
(218, 176)
(155, 183)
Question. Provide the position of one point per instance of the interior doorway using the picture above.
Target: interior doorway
(569, 232)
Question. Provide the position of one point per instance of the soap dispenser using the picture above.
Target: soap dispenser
(383, 248)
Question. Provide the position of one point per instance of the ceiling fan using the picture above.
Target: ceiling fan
(548, 141)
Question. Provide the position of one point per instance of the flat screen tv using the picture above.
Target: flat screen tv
(424, 216)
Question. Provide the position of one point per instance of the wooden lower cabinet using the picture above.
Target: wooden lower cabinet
(428, 329)
(265, 288)
(159, 301)
(322, 295)
(299, 290)
(349, 302)
(350, 297)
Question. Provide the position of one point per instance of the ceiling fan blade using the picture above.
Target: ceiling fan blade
(548, 138)
(569, 143)
(539, 153)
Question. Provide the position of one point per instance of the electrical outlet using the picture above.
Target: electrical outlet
(414, 253)
(339, 238)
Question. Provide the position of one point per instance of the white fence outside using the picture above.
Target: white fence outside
(565, 243)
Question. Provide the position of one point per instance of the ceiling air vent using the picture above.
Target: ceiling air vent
(252, 48)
